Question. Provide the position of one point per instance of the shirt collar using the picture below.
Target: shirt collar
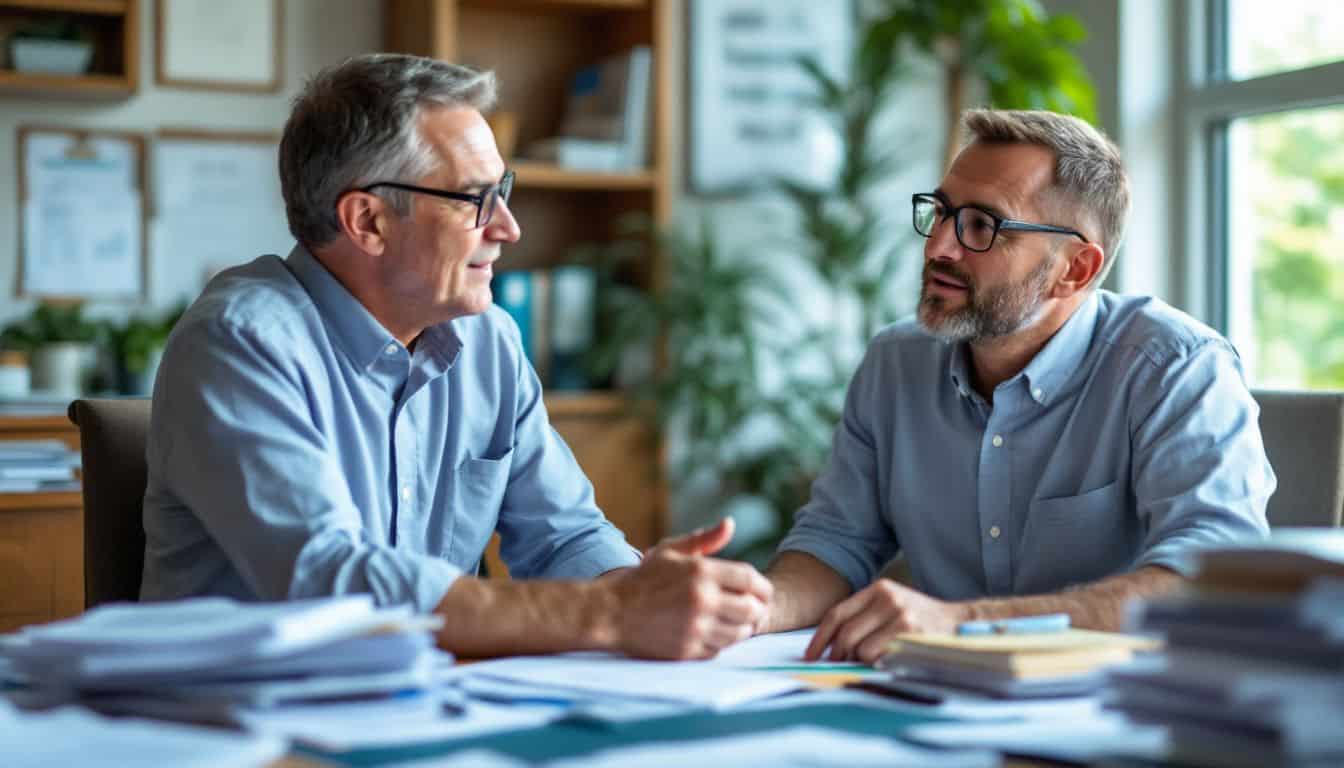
(1051, 367)
(1063, 354)
(359, 334)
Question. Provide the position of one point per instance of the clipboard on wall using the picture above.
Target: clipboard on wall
(218, 204)
(82, 224)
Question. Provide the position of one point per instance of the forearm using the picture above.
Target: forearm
(805, 588)
(1099, 605)
(498, 618)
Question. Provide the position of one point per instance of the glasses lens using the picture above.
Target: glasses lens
(926, 215)
(975, 229)
(500, 191)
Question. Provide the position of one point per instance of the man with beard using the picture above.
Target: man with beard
(1030, 443)
(359, 418)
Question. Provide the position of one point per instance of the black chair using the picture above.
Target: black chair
(112, 437)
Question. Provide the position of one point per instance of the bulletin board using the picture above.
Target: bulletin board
(218, 205)
(82, 219)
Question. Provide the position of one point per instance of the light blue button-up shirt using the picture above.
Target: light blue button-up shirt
(297, 449)
(1128, 441)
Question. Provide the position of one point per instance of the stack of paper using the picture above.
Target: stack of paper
(1013, 665)
(1254, 671)
(206, 658)
(73, 736)
(28, 466)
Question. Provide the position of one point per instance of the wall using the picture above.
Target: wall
(317, 33)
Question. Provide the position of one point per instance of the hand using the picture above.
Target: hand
(680, 604)
(861, 626)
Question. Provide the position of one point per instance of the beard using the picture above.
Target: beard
(989, 314)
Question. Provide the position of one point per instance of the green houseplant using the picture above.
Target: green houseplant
(60, 344)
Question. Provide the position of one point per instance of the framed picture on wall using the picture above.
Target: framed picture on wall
(221, 46)
(752, 117)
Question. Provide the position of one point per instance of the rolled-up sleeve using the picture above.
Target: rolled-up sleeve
(842, 524)
(236, 443)
(549, 523)
(1200, 474)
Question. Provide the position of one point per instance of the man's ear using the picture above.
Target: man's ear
(1085, 261)
(364, 219)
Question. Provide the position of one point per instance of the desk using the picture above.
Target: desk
(41, 538)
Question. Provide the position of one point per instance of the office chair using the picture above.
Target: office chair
(112, 436)
(1304, 439)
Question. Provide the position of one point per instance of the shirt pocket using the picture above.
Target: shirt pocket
(478, 491)
(1076, 539)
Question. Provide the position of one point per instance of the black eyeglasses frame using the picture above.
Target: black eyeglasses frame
(493, 193)
(1000, 223)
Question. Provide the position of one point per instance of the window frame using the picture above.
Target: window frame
(1207, 106)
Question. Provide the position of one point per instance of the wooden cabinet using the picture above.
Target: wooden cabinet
(535, 47)
(111, 26)
(41, 538)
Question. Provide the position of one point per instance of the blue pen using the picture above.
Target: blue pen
(1049, 622)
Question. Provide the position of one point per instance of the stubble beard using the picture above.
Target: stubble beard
(991, 314)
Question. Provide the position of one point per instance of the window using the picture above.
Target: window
(1270, 109)
(1269, 36)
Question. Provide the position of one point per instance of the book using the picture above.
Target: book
(573, 325)
(609, 103)
(1290, 560)
(525, 295)
(1052, 654)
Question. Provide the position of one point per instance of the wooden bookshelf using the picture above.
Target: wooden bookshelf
(113, 28)
(535, 47)
(540, 176)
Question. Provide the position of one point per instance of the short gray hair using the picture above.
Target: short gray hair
(1089, 175)
(358, 122)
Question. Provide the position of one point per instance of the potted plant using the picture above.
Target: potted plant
(138, 348)
(60, 344)
(52, 46)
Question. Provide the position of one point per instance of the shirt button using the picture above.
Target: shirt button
(405, 493)
(994, 532)
(997, 441)
(1036, 393)
(391, 349)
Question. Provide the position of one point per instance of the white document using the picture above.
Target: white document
(1084, 740)
(82, 220)
(803, 746)
(340, 728)
(691, 683)
(219, 205)
(73, 736)
(781, 649)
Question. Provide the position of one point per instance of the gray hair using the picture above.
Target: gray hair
(1089, 175)
(358, 122)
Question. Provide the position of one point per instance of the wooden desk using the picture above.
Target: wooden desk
(41, 538)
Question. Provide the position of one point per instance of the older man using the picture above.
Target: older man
(1030, 443)
(358, 417)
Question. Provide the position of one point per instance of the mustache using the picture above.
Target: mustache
(947, 270)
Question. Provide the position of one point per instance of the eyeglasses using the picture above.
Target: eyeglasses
(485, 200)
(976, 228)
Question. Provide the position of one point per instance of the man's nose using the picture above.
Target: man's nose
(942, 244)
(503, 226)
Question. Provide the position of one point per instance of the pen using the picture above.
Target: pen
(1023, 625)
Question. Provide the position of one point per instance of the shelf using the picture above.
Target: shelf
(593, 403)
(544, 176)
(10, 502)
(563, 5)
(55, 421)
(91, 7)
(98, 86)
